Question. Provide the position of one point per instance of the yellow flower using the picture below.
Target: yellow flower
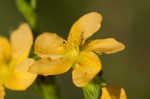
(14, 63)
(113, 92)
(58, 55)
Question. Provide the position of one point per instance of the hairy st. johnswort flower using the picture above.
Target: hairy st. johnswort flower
(14, 63)
(58, 55)
(113, 92)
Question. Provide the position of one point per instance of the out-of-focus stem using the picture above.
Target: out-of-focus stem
(27, 9)
(33, 3)
(47, 87)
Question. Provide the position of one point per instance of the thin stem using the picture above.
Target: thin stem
(33, 3)
(28, 11)
(47, 87)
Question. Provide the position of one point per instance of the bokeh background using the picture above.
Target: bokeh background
(126, 20)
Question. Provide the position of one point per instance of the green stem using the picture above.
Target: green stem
(28, 11)
(93, 89)
(46, 86)
(33, 3)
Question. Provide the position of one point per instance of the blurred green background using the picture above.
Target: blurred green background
(126, 20)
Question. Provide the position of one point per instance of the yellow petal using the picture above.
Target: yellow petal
(87, 67)
(107, 46)
(2, 92)
(4, 72)
(5, 50)
(113, 92)
(21, 42)
(20, 79)
(49, 44)
(85, 27)
(47, 66)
